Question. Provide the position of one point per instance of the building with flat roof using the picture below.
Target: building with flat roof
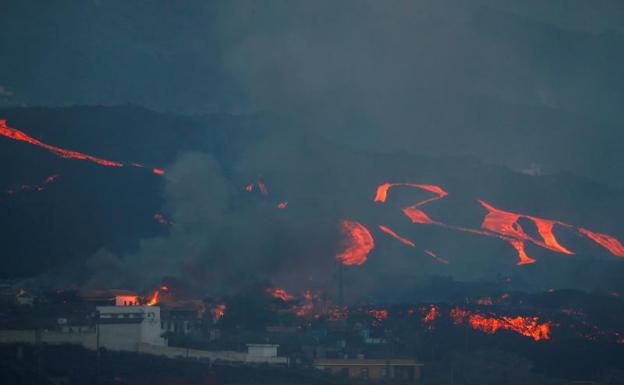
(125, 327)
(373, 369)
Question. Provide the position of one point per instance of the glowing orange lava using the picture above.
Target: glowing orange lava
(382, 191)
(499, 224)
(19, 135)
(379, 314)
(16, 134)
(430, 315)
(608, 242)
(358, 242)
(280, 294)
(397, 236)
(154, 298)
(526, 326)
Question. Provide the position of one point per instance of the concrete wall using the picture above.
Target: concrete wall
(88, 340)
(228, 356)
(120, 336)
(124, 327)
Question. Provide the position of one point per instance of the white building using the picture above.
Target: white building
(125, 327)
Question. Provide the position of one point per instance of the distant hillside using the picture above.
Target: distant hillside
(89, 207)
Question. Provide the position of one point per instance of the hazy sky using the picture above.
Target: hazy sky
(518, 83)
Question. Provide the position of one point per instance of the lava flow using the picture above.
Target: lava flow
(430, 315)
(280, 294)
(382, 191)
(608, 242)
(499, 224)
(526, 326)
(16, 134)
(396, 236)
(357, 243)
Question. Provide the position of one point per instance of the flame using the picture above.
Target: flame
(608, 242)
(158, 171)
(506, 223)
(430, 315)
(155, 297)
(218, 311)
(282, 205)
(357, 243)
(526, 326)
(249, 187)
(382, 191)
(379, 314)
(280, 294)
(395, 235)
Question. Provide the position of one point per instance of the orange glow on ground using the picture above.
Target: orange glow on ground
(357, 243)
(526, 326)
(15, 134)
(397, 236)
(280, 294)
(608, 242)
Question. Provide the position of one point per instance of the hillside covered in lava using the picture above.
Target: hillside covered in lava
(123, 196)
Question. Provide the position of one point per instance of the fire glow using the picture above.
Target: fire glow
(154, 299)
(280, 294)
(16, 134)
(497, 223)
(405, 241)
(526, 326)
(430, 315)
(358, 242)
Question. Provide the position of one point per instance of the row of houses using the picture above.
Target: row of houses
(120, 322)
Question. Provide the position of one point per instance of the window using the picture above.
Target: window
(364, 373)
(344, 372)
(384, 372)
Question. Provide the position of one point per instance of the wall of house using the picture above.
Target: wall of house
(88, 340)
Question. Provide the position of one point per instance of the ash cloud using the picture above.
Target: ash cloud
(218, 242)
